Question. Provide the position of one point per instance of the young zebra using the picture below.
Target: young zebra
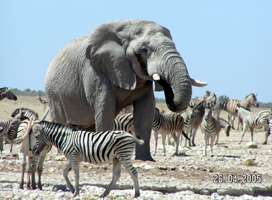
(93, 147)
(5, 93)
(251, 120)
(30, 163)
(209, 128)
(168, 124)
(230, 107)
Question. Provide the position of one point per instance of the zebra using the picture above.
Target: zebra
(209, 128)
(222, 124)
(269, 129)
(194, 116)
(43, 101)
(30, 162)
(168, 124)
(6, 93)
(251, 120)
(230, 107)
(92, 147)
(8, 131)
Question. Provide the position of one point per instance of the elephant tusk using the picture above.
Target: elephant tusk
(156, 77)
(198, 83)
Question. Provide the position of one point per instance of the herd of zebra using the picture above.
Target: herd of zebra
(117, 146)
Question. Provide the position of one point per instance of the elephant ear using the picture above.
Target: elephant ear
(108, 57)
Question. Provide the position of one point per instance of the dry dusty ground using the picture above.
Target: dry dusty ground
(188, 176)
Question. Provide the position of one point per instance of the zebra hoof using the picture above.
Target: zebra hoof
(264, 143)
(33, 187)
(21, 186)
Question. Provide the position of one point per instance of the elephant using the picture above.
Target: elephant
(94, 77)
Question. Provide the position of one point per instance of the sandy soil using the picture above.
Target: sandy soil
(188, 176)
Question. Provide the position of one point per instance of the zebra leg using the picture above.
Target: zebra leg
(116, 173)
(1, 144)
(23, 172)
(40, 169)
(267, 133)
(251, 132)
(133, 173)
(212, 138)
(75, 167)
(193, 136)
(245, 127)
(66, 170)
(33, 163)
(11, 148)
(217, 138)
(156, 140)
(163, 142)
(206, 140)
(30, 173)
(176, 137)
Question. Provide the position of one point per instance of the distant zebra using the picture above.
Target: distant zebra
(222, 124)
(252, 120)
(168, 124)
(93, 147)
(209, 128)
(6, 93)
(230, 107)
(43, 101)
(26, 113)
(8, 131)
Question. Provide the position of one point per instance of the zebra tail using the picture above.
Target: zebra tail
(185, 135)
(138, 140)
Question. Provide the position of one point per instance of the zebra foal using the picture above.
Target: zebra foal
(92, 147)
(209, 128)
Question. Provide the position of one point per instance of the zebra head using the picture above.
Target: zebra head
(39, 139)
(251, 100)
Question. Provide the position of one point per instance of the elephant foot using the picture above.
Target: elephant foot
(147, 157)
(39, 186)
(137, 194)
(33, 187)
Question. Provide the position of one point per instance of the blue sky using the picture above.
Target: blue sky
(225, 43)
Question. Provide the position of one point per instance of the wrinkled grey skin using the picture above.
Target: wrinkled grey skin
(94, 77)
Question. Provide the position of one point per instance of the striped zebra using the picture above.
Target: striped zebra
(30, 162)
(230, 107)
(6, 93)
(92, 147)
(8, 131)
(168, 124)
(209, 128)
(124, 122)
(222, 124)
(194, 116)
(252, 120)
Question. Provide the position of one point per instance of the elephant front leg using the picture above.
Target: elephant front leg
(104, 111)
(143, 111)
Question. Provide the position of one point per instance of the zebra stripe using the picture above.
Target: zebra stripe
(124, 122)
(93, 147)
(209, 128)
(26, 113)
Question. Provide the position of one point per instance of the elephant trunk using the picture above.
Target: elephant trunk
(176, 83)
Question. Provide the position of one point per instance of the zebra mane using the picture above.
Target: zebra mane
(240, 106)
(253, 95)
(24, 112)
